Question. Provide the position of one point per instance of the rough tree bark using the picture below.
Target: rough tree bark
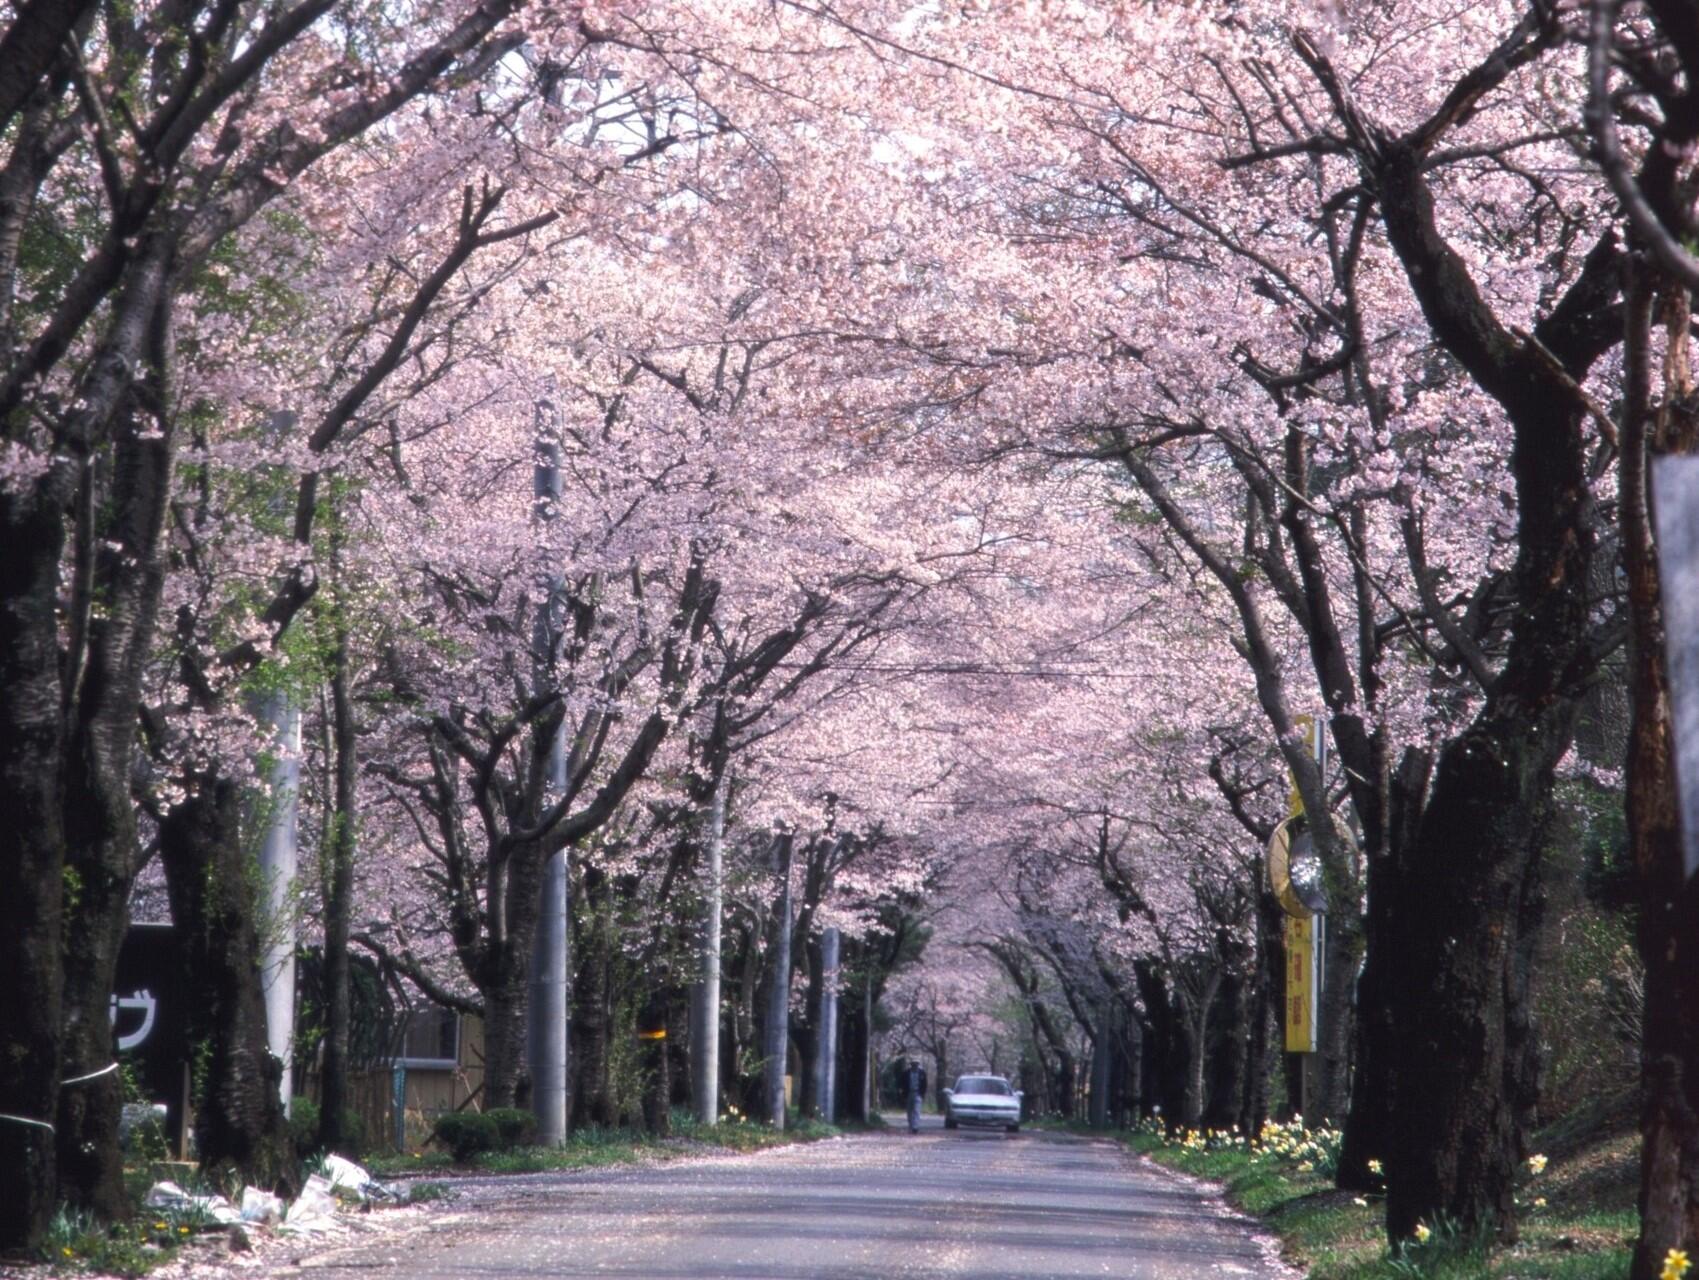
(32, 852)
(1368, 1128)
(338, 863)
(1660, 420)
(119, 561)
(1468, 895)
(211, 880)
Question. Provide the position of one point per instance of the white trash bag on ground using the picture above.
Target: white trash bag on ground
(314, 1209)
(261, 1206)
(345, 1175)
(171, 1197)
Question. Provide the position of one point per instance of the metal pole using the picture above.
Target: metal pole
(826, 1070)
(279, 858)
(398, 1105)
(705, 1005)
(550, 950)
(1675, 490)
(870, 1059)
(779, 1002)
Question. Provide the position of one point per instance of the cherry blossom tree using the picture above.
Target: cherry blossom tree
(1308, 190)
(1647, 174)
(171, 127)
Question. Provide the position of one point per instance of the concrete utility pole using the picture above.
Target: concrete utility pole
(779, 1001)
(279, 858)
(1675, 482)
(550, 949)
(705, 994)
(826, 1041)
(870, 1059)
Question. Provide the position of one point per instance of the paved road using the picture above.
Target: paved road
(937, 1206)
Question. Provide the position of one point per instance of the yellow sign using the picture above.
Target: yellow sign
(652, 1035)
(1303, 982)
(1280, 869)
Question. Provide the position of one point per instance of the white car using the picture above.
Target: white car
(982, 1100)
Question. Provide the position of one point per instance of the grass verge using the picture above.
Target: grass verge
(1577, 1223)
(590, 1148)
(78, 1243)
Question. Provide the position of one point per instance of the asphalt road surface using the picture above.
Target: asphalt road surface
(966, 1205)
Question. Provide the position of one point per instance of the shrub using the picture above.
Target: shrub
(466, 1134)
(304, 1129)
(304, 1126)
(514, 1128)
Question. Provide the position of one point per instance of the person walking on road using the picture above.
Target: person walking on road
(914, 1089)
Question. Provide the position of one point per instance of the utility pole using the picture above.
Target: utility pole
(550, 948)
(280, 716)
(705, 994)
(779, 1002)
(279, 858)
(869, 1059)
(826, 1041)
(1676, 486)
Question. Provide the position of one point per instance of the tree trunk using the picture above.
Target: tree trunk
(505, 1038)
(503, 977)
(806, 1029)
(1230, 1061)
(1165, 1081)
(854, 1050)
(1342, 958)
(1368, 1125)
(1669, 897)
(1468, 903)
(1132, 1068)
(1469, 896)
(592, 1014)
(239, 1119)
(126, 572)
(655, 1062)
(338, 856)
(1101, 1052)
(776, 1037)
(1265, 1033)
(1192, 1022)
(32, 857)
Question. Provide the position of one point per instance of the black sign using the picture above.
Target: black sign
(150, 1017)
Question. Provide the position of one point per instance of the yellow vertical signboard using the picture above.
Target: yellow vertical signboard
(1303, 985)
(1303, 928)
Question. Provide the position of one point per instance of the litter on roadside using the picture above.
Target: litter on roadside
(314, 1209)
(261, 1206)
(214, 1209)
(345, 1175)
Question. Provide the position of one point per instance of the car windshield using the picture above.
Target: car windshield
(983, 1084)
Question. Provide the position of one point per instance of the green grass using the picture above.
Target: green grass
(1584, 1231)
(76, 1242)
(592, 1147)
